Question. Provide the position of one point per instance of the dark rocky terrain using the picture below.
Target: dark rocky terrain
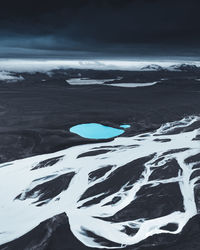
(36, 114)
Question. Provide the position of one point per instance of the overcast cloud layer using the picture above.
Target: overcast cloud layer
(99, 28)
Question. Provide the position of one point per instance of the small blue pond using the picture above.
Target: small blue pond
(96, 131)
(125, 126)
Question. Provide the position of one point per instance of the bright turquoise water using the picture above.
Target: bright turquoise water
(125, 126)
(96, 131)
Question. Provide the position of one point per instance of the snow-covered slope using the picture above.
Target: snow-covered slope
(115, 194)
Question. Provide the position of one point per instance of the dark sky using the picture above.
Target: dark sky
(99, 28)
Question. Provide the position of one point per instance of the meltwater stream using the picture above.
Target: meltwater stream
(115, 194)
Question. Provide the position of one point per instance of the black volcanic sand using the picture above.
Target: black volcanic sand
(36, 116)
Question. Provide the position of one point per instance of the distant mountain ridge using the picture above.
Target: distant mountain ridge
(176, 67)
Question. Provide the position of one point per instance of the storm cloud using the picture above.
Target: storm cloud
(96, 27)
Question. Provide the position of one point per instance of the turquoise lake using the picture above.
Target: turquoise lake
(96, 131)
